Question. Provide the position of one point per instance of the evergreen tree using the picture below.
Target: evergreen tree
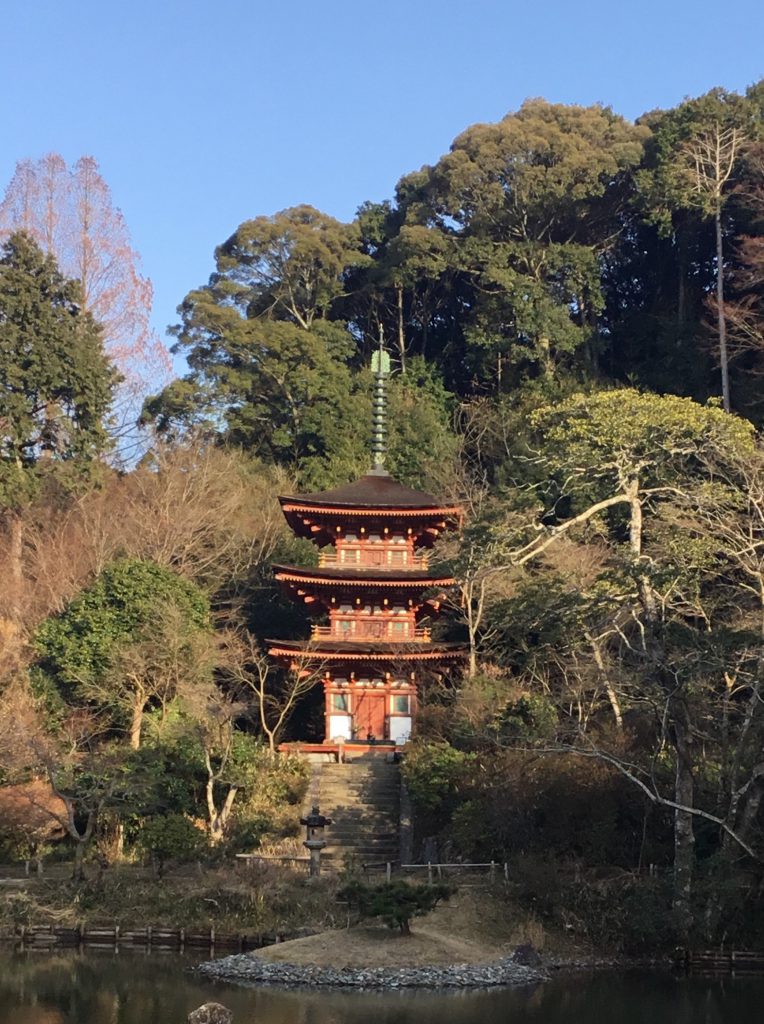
(56, 383)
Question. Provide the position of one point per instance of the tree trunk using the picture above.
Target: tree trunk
(646, 593)
(684, 834)
(722, 322)
(681, 269)
(219, 818)
(136, 723)
(604, 676)
(79, 857)
(401, 329)
(16, 558)
(751, 810)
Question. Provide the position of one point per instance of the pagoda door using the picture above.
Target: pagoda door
(369, 715)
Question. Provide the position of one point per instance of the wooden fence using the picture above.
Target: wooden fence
(714, 961)
(494, 869)
(116, 936)
(437, 871)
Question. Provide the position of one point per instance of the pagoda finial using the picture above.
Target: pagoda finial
(380, 367)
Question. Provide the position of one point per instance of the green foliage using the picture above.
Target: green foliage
(433, 773)
(421, 441)
(606, 439)
(530, 717)
(267, 363)
(668, 183)
(532, 198)
(624, 912)
(271, 808)
(80, 645)
(173, 837)
(284, 780)
(55, 381)
(396, 903)
(543, 293)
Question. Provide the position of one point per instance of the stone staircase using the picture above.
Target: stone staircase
(363, 800)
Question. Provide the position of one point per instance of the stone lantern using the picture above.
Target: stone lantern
(315, 824)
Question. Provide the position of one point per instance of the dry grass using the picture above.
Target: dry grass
(477, 925)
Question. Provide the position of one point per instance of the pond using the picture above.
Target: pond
(132, 988)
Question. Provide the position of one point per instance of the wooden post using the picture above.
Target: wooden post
(493, 870)
(182, 939)
(506, 871)
(148, 936)
(388, 871)
(429, 873)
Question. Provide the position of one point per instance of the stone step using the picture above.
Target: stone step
(363, 801)
(362, 791)
(359, 815)
(372, 779)
(372, 853)
(388, 805)
(359, 812)
(351, 774)
(351, 827)
(347, 786)
(383, 850)
(344, 800)
(386, 830)
(350, 786)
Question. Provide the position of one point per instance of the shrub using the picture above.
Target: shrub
(396, 903)
(170, 838)
(434, 772)
(530, 717)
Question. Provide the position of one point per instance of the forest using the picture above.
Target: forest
(574, 306)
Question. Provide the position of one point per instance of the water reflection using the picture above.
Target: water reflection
(131, 988)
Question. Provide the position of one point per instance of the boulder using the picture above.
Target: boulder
(527, 956)
(211, 1013)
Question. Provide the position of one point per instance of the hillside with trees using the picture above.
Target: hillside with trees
(574, 305)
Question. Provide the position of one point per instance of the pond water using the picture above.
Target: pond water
(132, 988)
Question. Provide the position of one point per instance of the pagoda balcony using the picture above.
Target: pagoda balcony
(371, 559)
(420, 636)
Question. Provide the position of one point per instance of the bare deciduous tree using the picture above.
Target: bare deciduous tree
(70, 213)
(710, 157)
(273, 693)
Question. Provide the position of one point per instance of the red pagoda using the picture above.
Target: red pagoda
(371, 583)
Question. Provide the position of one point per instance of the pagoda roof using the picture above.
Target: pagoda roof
(377, 491)
(348, 650)
(371, 577)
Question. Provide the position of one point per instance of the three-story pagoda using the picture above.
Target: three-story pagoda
(374, 584)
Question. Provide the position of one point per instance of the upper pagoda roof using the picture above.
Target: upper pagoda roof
(370, 576)
(343, 650)
(377, 490)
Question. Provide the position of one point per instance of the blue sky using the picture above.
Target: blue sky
(202, 115)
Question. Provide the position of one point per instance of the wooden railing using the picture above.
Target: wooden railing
(716, 961)
(326, 632)
(148, 937)
(331, 560)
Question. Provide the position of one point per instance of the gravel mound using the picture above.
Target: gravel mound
(250, 969)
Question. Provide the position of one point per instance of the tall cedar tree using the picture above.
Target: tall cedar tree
(56, 383)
